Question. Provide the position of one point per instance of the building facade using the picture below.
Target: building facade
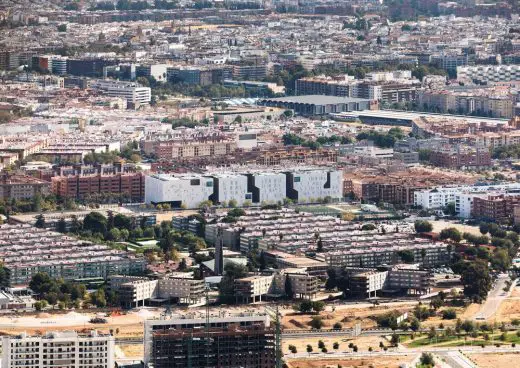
(59, 349)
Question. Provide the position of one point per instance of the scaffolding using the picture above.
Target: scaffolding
(234, 345)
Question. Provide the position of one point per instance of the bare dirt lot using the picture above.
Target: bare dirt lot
(363, 343)
(376, 362)
(495, 360)
(347, 317)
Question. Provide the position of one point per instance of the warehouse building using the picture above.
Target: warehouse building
(320, 105)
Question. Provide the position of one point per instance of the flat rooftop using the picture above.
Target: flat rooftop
(410, 115)
(317, 99)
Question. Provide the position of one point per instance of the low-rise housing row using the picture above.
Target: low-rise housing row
(26, 250)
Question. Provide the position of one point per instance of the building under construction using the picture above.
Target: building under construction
(231, 341)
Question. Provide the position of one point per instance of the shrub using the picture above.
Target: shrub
(449, 314)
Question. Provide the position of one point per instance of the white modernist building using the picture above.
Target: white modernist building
(131, 91)
(257, 187)
(267, 186)
(187, 190)
(231, 186)
(306, 184)
(462, 196)
(58, 349)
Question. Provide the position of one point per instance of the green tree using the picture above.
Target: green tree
(451, 233)
(61, 226)
(422, 226)
(288, 287)
(95, 222)
(305, 306)
(317, 322)
(318, 306)
(62, 28)
(40, 221)
(476, 280)
(427, 360)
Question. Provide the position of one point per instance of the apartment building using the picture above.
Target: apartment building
(237, 340)
(384, 87)
(489, 73)
(396, 187)
(251, 289)
(462, 196)
(134, 94)
(497, 208)
(178, 287)
(461, 157)
(429, 254)
(186, 146)
(18, 187)
(367, 282)
(486, 102)
(249, 72)
(399, 278)
(81, 181)
(63, 349)
(26, 250)
(291, 261)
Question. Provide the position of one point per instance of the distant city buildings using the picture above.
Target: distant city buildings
(480, 201)
(389, 88)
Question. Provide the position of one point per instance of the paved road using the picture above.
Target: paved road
(456, 360)
(453, 352)
(495, 297)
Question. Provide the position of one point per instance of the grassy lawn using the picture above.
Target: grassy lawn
(453, 341)
(425, 341)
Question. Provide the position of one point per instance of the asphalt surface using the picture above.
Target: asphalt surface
(495, 297)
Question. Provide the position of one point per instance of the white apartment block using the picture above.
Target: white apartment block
(462, 196)
(180, 190)
(132, 92)
(58, 349)
(489, 73)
